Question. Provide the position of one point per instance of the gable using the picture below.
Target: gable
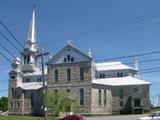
(69, 54)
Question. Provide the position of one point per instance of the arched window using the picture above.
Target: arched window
(56, 75)
(72, 59)
(99, 97)
(24, 59)
(104, 97)
(28, 80)
(68, 91)
(11, 104)
(28, 59)
(64, 59)
(104, 75)
(32, 99)
(68, 74)
(81, 91)
(121, 93)
(68, 57)
(101, 76)
(55, 92)
(18, 104)
(81, 74)
(12, 92)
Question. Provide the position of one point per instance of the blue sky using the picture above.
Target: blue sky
(86, 23)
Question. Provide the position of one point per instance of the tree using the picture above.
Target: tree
(60, 102)
(4, 104)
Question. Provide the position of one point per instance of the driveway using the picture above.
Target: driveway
(115, 117)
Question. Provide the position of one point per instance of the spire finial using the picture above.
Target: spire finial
(32, 28)
(89, 53)
(31, 39)
(69, 42)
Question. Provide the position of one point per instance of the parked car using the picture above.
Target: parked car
(73, 117)
(152, 116)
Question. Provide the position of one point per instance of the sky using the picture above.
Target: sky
(110, 28)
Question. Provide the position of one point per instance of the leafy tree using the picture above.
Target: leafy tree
(60, 102)
(4, 104)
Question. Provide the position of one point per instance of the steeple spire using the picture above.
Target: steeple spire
(31, 39)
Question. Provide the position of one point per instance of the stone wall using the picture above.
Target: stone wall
(75, 84)
(131, 93)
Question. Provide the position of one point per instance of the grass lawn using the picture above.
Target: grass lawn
(22, 118)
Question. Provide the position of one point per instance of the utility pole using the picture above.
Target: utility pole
(43, 79)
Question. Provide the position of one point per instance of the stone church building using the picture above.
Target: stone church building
(101, 88)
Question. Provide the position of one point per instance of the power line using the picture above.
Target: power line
(3, 90)
(149, 72)
(129, 63)
(148, 69)
(10, 33)
(5, 57)
(129, 56)
(120, 33)
(19, 13)
(9, 41)
(121, 24)
(7, 17)
(7, 50)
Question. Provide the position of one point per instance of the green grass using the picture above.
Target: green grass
(22, 118)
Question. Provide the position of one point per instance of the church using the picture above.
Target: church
(98, 88)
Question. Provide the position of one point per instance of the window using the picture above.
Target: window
(12, 92)
(72, 59)
(68, 91)
(104, 75)
(68, 57)
(121, 104)
(121, 94)
(55, 91)
(99, 97)
(24, 59)
(101, 76)
(137, 103)
(28, 59)
(64, 59)
(32, 99)
(81, 96)
(104, 97)
(28, 80)
(68, 74)
(18, 104)
(135, 90)
(55, 100)
(39, 80)
(56, 75)
(81, 74)
(11, 104)
(13, 77)
(120, 74)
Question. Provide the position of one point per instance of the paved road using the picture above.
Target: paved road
(117, 117)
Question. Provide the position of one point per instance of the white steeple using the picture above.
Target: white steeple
(29, 58)
(31, 39)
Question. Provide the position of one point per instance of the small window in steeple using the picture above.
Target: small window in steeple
(24, 59)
